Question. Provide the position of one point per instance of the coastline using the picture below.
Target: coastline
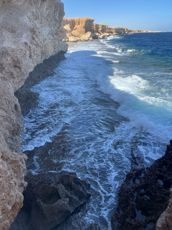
(43, 151)
(47, 158)
(85, 29)
(49, 190)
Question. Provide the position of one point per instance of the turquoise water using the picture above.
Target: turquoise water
(110, 100)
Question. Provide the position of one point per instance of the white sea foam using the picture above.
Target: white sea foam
(119, 50)
(153, 114)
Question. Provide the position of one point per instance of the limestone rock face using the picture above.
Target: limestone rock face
(78, 29)
(84, 29)
(31, 31)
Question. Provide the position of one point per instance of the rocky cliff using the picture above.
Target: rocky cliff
(79, 29)
(31, 31)
(84, 29)
(102, 31)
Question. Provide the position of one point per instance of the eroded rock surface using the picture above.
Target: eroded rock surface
(49, 199)
(31, 31)
(144, 195)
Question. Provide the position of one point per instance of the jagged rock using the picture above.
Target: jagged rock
(31, 31)
(144, 195)
(49, 199)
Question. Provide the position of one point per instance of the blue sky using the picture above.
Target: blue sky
(134, 14)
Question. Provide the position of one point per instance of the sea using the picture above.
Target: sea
(113, 97)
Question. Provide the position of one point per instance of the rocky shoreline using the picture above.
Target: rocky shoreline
(144, 196)
(32, 31)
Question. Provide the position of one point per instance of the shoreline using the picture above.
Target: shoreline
(44, 149)
(111, 35)
(23, 95)
(33, 31)
(85, 29)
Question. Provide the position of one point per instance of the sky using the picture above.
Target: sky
(134, 14)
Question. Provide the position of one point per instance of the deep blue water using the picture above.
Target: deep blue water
(110, 100)
(145, 73)
(157, 45)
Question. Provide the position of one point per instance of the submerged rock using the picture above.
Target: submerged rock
(50, 198)
(144, 195)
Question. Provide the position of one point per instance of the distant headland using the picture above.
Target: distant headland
(85, 29)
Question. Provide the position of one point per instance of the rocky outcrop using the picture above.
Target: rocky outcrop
(50, 198)
(31, 31)
(144, 195)
(102, 31)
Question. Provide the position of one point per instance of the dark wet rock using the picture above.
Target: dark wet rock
(144, 195)
(93, 227)
(50, 198)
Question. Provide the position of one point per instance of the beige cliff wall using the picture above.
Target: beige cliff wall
(78, 29)
(30, 31)
(103, 31)
(84, 29)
